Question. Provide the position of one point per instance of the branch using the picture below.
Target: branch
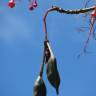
(61, 10)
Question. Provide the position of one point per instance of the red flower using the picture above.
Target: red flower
(93, 14)
(11, 3)
(33, 5)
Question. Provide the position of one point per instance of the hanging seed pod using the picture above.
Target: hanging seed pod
(52, 71)
(39, 88)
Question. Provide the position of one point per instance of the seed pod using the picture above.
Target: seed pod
(39, 87)
(47, 52)
(52, 71)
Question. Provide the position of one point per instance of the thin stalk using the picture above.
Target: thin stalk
(61, 10)
(42, 66)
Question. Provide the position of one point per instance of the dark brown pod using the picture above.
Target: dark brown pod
(52, 71)
(47, 51)
(39, 87)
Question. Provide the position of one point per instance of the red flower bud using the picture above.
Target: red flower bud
(34, 4)
(31, 8)
(11, 3)
(93, 14)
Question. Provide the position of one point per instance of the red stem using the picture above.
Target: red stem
(44, 19)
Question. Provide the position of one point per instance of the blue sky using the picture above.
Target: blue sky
(21, 49)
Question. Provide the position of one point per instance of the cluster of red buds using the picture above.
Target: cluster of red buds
(51, 71)
(33, 4)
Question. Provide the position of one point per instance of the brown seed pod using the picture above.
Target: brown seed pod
(39, 87)
(52, 71)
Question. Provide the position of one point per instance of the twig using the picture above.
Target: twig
(61, 10)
